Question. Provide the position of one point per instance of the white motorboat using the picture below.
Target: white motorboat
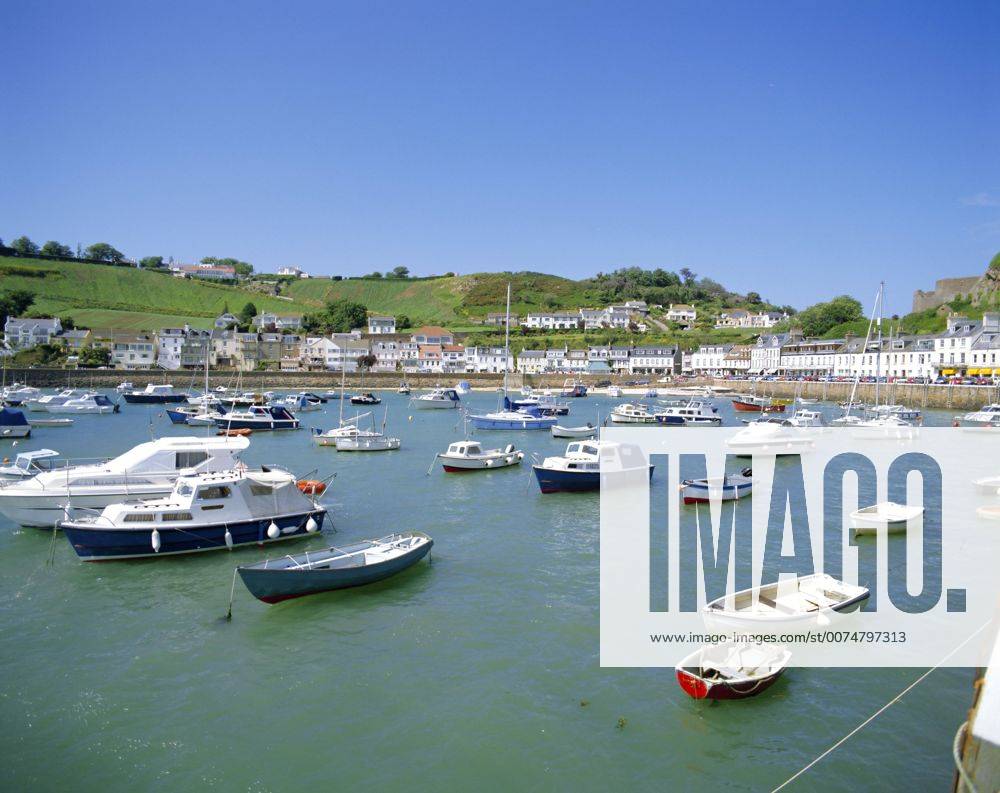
(632, 413)
(587, 431)
(154, 394)
(614, 391)
(51, 422)
(438, 398)
(90, 403)
(804, 600)
(770, 436)
(301, 402)
(462, 387)
(884, 428)
(806, 418)
(28, 464)
(986, 416)
(42, 403)
(404, 389)
(148, 470)
(202, 512)
(367, 441)
(888, 515)
(125, 385)
(470, 456)
(896, 411)
(695, 412)
(18, 393)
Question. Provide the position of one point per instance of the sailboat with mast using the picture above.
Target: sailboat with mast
(346, 428)
(506, 416)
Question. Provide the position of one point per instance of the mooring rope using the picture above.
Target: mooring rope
(881, 710)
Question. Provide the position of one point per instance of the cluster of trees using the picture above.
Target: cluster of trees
(100, 251)
(337, 316)
(14, 303)
(395, 272)
(822, 317)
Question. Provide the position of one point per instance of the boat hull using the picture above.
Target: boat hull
(459, 465)
(701, 493)
(249, 424)
(153, 399)
(97, 544)
(433, 404)
(15, 431)
(528, 423)
(555, 480)
(275, 586)
(697, 688)
(43, 511)
(753, 407)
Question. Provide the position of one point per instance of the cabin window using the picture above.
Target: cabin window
(175, 516)
(213, 492)
(190, 459)
(260, 490)
(140, 517)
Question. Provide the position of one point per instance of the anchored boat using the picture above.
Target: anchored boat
(729, 487)
(470, 456)
(731, 671)
(13, 423)
(886, 515)
(337, 567)
(580, 468)
(155, 394)
(203, 512)
(258, 417)
(438, 398)
(587, 431)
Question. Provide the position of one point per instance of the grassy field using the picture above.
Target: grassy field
(433, 300)
(125, 297)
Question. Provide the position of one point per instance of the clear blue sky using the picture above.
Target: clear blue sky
(799, 149)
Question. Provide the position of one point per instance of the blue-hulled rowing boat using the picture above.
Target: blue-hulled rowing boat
(361, 563)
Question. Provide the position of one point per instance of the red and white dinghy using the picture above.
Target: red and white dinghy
(731, 671)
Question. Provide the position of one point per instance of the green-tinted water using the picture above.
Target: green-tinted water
(480, 670)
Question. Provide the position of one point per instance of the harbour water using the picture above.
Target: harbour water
(479, 670)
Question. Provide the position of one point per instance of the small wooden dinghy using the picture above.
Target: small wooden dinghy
(988, 485)
(806, 599)
(731, 671)
(888, 514)
(589, 431)
(336, 567)
(240, 433)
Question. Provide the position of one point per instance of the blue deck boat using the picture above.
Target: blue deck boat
(529, 418)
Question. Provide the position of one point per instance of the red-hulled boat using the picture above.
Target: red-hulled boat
(731, 671)
(750, 403)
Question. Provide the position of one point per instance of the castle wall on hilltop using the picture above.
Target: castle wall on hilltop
(945, 290)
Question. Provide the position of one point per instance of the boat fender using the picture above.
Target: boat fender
(489, 463)
(229, 539)
(311, 526)
(273, 531)
(520, 455)
(155, 540)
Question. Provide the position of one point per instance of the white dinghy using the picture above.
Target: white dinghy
(894, 517)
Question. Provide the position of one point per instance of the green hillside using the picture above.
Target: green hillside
(125, 297)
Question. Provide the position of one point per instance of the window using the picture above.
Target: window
(140, 517)
(175, 516)
(190, 459)
(260, 490)
(213, 492)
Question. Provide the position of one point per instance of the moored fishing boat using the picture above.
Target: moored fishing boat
(365, 398)
(731, 671)
(749, 403)
(302, 402)
(770, 436)
(338, 567)
(258, 417)
(468, 455)
(41, 402)
(366, 441)
(695, 412)
(986, 416)
(404, 389)
(634, 413)
(573, 388)
(529, 418)
(729, 487)
(203, 512)
(88, 403)
(13, 423)
(438, 398)
(146, 471)
(155, 394)
(580, 467)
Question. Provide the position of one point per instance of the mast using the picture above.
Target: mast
(506, 342)
(864, 350)
(343, 380)
(878, 351)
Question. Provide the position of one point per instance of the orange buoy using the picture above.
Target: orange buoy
(311, 487)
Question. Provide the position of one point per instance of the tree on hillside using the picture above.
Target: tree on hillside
(818, 319)
(53, 248)
(14, 303)
(247, 313)
(338, 316)
(104, 252)
(68, 323)
(399, 272)
(375, 274)
(403, 322)
(753, 298)
(688, 275)
(151, 262)
(24, 246)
